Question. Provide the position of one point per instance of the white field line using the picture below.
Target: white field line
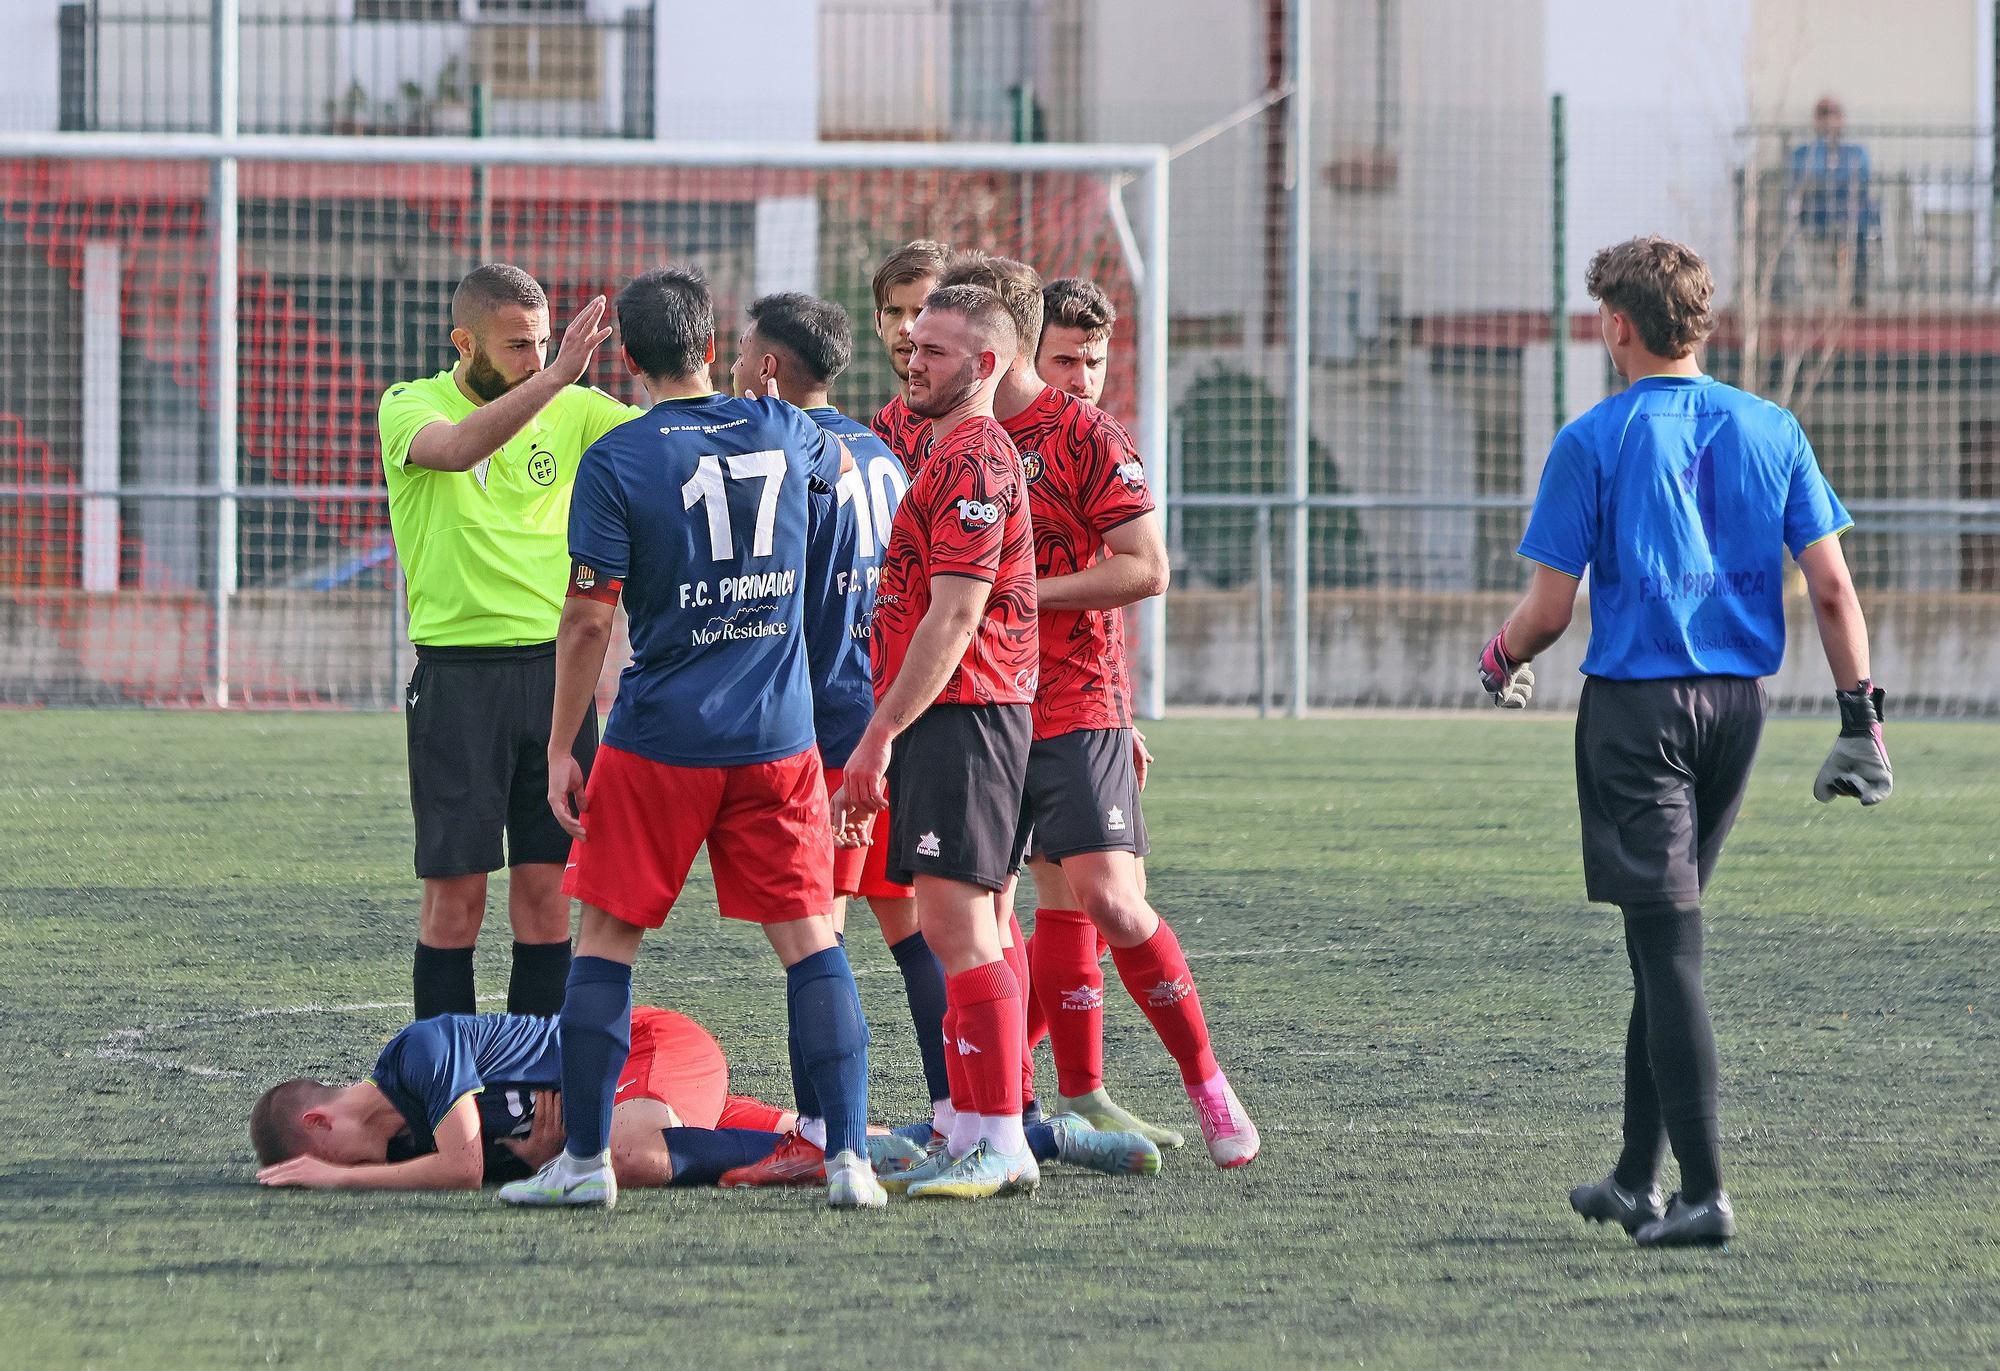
(127, 1044)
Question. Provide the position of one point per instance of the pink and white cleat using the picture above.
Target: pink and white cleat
(1225, 1124)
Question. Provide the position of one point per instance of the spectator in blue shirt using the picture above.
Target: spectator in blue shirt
(1829, 182)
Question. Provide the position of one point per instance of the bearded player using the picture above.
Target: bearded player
(797, 345)
(1098, 547)
(953, 657)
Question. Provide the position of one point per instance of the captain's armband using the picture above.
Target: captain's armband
(588, 583)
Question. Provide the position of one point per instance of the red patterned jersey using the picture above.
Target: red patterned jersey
(1084, 479)
(907, 433)
(966, 514)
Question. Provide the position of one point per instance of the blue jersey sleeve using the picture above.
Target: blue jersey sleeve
(820, 449)
(428, 1066)
(1562, 529)
(1812, 511)
(599, 535)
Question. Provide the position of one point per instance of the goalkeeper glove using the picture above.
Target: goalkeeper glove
(1510, 683)
(1858, 764)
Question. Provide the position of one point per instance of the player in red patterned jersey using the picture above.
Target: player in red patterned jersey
(901, 283)
(1066, 951)
(1098, 547)
(954, 653)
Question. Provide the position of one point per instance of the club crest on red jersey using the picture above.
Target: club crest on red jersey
(1031, 466)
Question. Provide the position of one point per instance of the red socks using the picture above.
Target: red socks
(1157, 976)
(984, 1034)
(1017, 962)
(1069, 987)
(954, 1065)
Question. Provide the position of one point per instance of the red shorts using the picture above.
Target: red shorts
(765, 825)
(675, 1061)
(742, 1111)
(859, 870)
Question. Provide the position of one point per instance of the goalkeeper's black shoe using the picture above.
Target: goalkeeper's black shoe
(1609, 1202)
(1708, 1224)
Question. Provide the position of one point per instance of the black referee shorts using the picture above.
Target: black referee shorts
(1661, 767)
(1082, 795)
(478, 725)
(955, 781)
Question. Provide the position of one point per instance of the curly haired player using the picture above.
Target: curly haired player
(1680, 496)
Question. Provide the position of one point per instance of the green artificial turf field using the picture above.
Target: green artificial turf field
(1386, 921)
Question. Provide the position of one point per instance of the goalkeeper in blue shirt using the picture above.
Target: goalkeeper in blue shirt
(1680, 496)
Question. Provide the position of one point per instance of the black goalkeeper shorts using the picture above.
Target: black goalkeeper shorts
(478, 726)
(1661, 767)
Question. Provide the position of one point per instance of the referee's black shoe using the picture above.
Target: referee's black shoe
(1708, 1224)
(1609, 1202)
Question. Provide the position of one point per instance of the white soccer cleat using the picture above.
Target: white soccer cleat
(567, 1181)
(1225, 1124)
(851, 1183)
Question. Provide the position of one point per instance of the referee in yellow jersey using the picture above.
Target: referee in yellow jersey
(479, 460)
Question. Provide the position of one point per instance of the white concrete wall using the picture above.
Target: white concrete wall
(29, 102)
(1911, 61)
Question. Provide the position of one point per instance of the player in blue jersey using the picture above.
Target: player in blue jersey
(458, 1100)
(696, 513)
(800, 344)
(1681, 497)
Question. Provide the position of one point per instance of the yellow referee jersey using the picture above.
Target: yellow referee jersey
(486, 552)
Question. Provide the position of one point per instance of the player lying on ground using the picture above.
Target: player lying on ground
(1680, 496)
(461, 1100)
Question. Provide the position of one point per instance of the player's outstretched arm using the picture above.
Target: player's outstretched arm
(1133, 569)
(461, 446)
(1541, 618)
(1859, 763)
(458, 1163)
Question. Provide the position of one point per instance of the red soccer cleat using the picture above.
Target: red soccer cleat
(796, 1162)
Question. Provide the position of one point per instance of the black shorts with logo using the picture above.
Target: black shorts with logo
(1082, 795)
(1661, 767)
(955, 781)
(478, 726)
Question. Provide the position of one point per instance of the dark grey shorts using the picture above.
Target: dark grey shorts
(1661, 768)
(1083, 795)
(955, 780)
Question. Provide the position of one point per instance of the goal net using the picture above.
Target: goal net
(138, 568)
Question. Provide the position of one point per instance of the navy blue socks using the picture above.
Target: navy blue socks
(923, 985)
(701, 1155)
(830, 1045)
(596, 1037)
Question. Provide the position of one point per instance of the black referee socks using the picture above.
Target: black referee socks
(442, 981)
(541, 974)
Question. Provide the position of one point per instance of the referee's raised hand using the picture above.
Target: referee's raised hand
(580, 343)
